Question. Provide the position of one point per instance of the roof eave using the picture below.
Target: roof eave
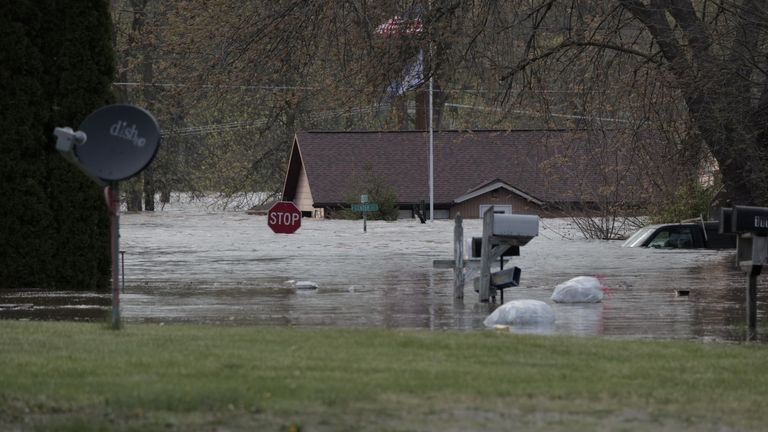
(496, 185)
(294, 170)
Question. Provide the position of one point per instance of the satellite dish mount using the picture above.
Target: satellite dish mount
(114, 143)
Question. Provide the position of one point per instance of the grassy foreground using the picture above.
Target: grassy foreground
(70, 376)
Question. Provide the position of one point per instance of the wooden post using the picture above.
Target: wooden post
(122, 271)
(752, 254)
(485, 256)
(752, 302)
(458, 258)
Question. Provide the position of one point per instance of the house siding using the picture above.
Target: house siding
(470, 209)
(303, 198)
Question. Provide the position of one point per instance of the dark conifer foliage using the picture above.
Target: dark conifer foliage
(56, 66)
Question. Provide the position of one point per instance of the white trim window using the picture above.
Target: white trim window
(497, 209)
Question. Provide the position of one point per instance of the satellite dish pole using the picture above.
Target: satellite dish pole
(112, 196)
(114, 143)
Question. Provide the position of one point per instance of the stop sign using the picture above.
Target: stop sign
(284, 218)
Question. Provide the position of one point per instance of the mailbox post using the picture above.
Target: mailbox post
(458, 258)
(751, 226)
(501, 233)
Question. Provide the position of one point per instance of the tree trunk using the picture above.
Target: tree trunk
(717, 90)
(149, 189)
(133, 201)
(422, 108)
(133, 195)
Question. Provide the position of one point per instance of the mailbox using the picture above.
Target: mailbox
(521, 228)
(503, 234)
(751, 224)
(746, 219)
(503, 279)
(477, 246)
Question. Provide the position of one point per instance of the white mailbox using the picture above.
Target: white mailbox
(517, 227)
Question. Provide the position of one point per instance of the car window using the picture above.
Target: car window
(674, 237)
(638, 238)
(660, 239)
(683, 238)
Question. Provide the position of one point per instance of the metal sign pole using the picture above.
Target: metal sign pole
(431, 156)
(114, 211)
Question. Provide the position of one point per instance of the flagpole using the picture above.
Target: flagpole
(409, 25)
(431, 150)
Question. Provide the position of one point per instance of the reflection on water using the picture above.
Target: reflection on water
(230, 268)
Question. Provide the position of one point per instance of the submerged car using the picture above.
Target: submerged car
(693, 235)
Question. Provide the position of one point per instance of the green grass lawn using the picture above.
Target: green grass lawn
(70, 376)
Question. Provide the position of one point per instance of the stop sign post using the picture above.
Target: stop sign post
(284, 218)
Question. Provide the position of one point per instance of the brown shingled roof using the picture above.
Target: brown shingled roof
(552, 165)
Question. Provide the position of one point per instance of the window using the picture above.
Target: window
(659, 240)
(497, 209)
(673, 237)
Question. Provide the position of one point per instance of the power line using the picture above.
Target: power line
(538, 114)
(249, 124)
(324, 115)
(211, 86)
(311, 88)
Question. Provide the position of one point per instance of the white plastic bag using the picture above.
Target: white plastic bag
(306, 285)
(521, 312)
(581, 289)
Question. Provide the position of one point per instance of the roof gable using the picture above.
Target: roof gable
(492, 186)
(292, 174)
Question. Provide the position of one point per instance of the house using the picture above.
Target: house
(544, 172)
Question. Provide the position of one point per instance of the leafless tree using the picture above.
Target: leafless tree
(244, 77)
(710, 55)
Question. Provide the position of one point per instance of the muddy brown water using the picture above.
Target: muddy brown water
(229, 268)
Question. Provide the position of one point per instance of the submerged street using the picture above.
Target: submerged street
(193, 265)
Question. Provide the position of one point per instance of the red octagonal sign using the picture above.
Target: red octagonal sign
(284, 218)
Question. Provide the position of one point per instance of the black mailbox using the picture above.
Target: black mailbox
(746, 219)
(477, 245)
(726, 226)
(751, 223)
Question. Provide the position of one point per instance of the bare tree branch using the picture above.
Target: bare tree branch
(655, 20)
(567, 44)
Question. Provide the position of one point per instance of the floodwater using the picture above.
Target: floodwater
(191, 265)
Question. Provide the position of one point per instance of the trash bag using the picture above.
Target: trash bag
(581, 289)
(521, 312)
(306, 285)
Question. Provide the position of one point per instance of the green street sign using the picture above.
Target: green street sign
(366, 207)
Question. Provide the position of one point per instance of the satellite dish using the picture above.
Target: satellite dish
(122, 141)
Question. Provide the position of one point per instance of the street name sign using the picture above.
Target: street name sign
(365, 207)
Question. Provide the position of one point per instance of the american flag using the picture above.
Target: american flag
(399, 26)
(410, 24)
(412, 77)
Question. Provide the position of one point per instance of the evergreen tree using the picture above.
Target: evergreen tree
(56, 67)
